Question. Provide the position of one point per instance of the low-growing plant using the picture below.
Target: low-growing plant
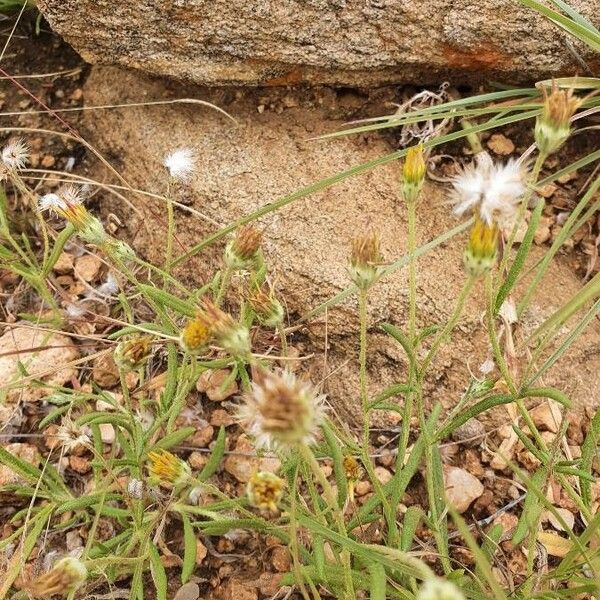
(143, 485)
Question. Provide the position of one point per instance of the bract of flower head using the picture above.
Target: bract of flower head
(65, 577)
(481, 250)
(365, 258)
(266, 306)
(413, 173)
(230, 335)
(181, 163)
(553, 126)
(15, 155)
(166, 469)
(265, 490)
(494, 190)
(244, 247)
(133, 352)
(282, 410)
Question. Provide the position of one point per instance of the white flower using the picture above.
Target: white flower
(282, 410)
(495, 188)
(438, 589)
(181, 163)
(15, 154)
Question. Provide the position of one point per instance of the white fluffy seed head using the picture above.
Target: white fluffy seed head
(15, 155)
(495, 189)
(181, 163)
(51, 202)
(439, 589)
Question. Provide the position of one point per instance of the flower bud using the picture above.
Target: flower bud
(266, 307)
(229, 335)
(365, 258)
(265, 490)
(243, 249)
(353, 472)
(553, 126)
(132, 353)
(480, 254)
(67, 575)
(167, 470)
(413, 173)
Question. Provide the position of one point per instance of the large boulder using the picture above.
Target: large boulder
(266, 156)
(338, 42)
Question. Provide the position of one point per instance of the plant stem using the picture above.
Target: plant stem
(331, 500)
(362, 359)
(224, 284)
(283, 338)
(412, 271)
(170, 234)
(450, 325)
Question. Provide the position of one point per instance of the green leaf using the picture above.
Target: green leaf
(588, 451)
(159, 575)
(174, 439)
(215, 458)
(412, 518)
(531, 508)
(165, 298)
(378, 582)
(520, 258)
(190, 549)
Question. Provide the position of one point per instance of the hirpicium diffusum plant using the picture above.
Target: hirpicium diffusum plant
(171, 344)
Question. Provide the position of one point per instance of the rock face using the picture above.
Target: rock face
(265, 157)
(338, 42)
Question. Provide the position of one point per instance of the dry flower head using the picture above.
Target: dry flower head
(265, 490)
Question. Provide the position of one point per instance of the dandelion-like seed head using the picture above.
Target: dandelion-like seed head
(265, 490)
(282, 410)
(166, 469)
(181, 163)
(413, 173)
(134, 352)
(72, 437)
(227, 333)
(481, 250)
(244, 248)
(553, 126)
(68, 204)
(67, 575)
(266, 306)
(439, 589)
(15, 155)
(365, 258)
(493, 189)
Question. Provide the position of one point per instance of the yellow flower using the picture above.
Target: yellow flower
(365, 258)
(166, 469)
(265, 490)
(480, 254)
(413, 173)
(553, 126)
(195, 336)
(67, 575)
(353, 472)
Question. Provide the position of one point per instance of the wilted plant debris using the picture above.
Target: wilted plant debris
(160, 440)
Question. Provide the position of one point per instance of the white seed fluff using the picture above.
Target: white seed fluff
(181, 163)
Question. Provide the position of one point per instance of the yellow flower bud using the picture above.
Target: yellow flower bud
(244, 248)
(413, 173)
(480, 254)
